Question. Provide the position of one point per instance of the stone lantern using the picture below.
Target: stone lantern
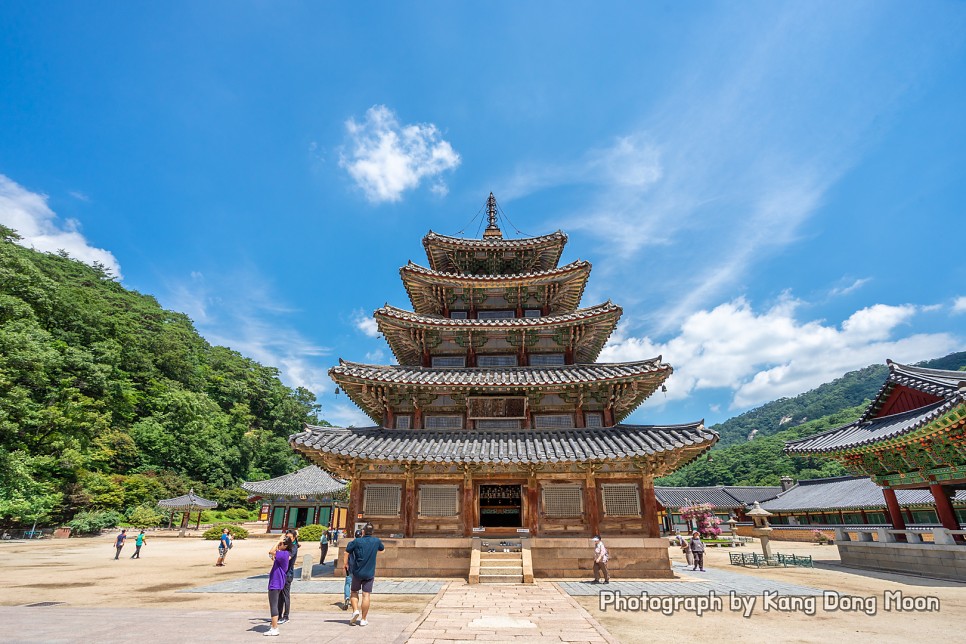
(762, 529)
(732, 522)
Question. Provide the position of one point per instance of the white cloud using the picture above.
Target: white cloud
(29, 214)
(345, 414)
(767, 355)
(365, 323)
(79, 196)
(386, 158)
(854, 286)
(959, 305)
(375, 356)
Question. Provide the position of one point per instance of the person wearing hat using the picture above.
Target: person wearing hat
(601, 556)
(697, 551)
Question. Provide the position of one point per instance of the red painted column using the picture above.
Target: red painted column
(895, 512)
(651, 525)
(944, 508)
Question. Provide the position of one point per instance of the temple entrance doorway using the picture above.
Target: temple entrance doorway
(501, 506)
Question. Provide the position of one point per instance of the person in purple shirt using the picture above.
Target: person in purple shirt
(276, 579)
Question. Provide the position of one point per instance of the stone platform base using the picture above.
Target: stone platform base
(553, 558)
(929, 560)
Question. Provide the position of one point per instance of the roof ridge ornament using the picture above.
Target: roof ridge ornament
(492, 228)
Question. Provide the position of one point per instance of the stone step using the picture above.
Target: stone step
(501, 579)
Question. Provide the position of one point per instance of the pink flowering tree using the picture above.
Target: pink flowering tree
(702, 514)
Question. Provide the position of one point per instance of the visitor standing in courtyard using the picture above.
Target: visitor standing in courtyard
(276, 580)
(686, 549)
(119, 543)
(601, 557)
(137, 545)
(324, 545)
(363, 551)
(697, 551)
(285, 602)
(224, 545)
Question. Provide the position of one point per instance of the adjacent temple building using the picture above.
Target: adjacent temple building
(497, 421)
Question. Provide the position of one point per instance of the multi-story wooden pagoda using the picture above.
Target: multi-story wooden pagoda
(497, 420)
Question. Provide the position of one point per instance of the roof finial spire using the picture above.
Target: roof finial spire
(492, 229)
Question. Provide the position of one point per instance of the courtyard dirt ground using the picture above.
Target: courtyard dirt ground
(83, 574)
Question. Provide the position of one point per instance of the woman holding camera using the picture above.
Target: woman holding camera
(276, 579)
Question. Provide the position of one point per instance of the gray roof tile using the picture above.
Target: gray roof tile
(503, 446)
(842, 493)
(308, 481)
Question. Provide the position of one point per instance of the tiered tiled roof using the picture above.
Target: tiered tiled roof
(308, 481)
(453, 254)
(845, 493)
(506, 446)
(870, 430)
(597, 324)
(423, 284)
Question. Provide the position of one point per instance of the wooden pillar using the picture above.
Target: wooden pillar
(418, 418)
(591, 507)
(609, 417)
(944, 508)
(469, 504)
(533, 507)
(389, 424)
(198, 525)
(409, 505)
(355, 505)
(651, 526)
(892, 506)
(170, 518)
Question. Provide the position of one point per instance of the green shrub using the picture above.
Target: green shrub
(144, 517)
(93, 521)
(310, 533)
(214, 532)
(239, 514)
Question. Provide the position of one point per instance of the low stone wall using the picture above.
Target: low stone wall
(807, 533)
(931, 560)
(630, 557)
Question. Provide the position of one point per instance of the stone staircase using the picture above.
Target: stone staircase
(500, 561)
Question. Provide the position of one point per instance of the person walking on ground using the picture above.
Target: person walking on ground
(324, 545)
(347, 566)
(285, 601)
(697, 550)
(137, 545)
(601, 557)
(280, 556)
(224, 545)
(119, 543)
(364, 551)
(685, 549)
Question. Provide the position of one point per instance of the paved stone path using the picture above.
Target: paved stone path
(720, 580)
(536, 614)
(164, 625)
(327, 585)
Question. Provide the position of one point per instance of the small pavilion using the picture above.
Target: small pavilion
(308, 496)
(186, 504)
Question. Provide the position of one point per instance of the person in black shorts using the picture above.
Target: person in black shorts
(363, 560)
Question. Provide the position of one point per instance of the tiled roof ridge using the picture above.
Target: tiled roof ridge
(926, 371)
(930, 380)
(573, 266)
(558, 235)
(828, 479)
(583, 313)
(695, 425)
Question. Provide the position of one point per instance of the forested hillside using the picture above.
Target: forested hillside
(736, 460)
(109, 402)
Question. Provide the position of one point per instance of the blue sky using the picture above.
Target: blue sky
(774, 192)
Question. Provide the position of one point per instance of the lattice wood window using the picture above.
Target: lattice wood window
(546, 359)
(498, 423)
(381, 500)
(449, 361)
(496, 361)
(562, 501)
(403, 422)
(444, 422)
(496, 315)
(438, 500)
(553, 421)
(593, 419)
(458, 315)
(621, 499)
(532, 313)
